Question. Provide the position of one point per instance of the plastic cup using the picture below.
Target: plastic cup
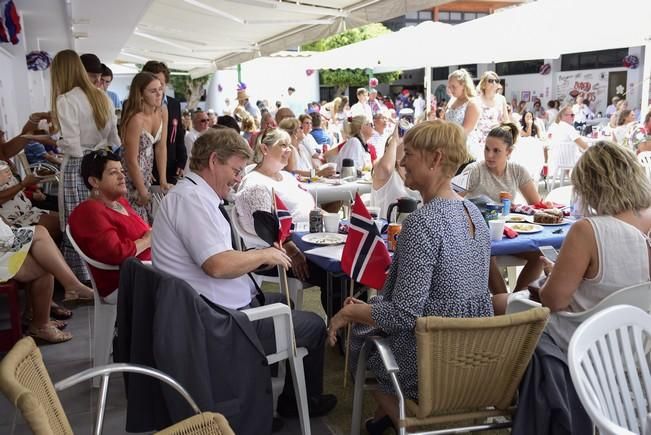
(331, 222)
(496, 228)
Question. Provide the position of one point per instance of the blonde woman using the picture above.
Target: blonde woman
(462, 110)
(492, 111)
(359, 130)
(143, 122)
(84, 115)
(300, 162)
(607, 250)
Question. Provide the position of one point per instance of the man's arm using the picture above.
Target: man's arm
(232, 264)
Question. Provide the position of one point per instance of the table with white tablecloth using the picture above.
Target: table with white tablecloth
(324, 192)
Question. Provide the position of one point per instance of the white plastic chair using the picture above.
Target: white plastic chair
(561, 195)
(638, 295)
(562, 159)
(104, 313)
(242, 239)
(645, 159)
(610, 369)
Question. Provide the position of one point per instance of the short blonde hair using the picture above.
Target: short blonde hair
(224, 142)
(463, 77)
(609, 180)
(443, 136)
(270, 138)
(484, 80)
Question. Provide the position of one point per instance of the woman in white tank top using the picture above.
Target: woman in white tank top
(388, 177)
(609, 249)
(462, 109)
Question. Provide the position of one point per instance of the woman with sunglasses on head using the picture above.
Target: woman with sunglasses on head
(492, 111)
(144, 119)
(84, 115)
(117, 232)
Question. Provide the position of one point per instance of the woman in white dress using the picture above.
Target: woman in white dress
(85, 118)
(462, 110)
(143, 121)
(492, 112)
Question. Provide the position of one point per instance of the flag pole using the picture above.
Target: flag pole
(348, 332)
(282, 273)
(351, 291)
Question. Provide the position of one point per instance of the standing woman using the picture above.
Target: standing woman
(492, 111)
(144, 120)
(85, 117)
(462, 109)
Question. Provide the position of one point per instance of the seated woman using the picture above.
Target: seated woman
(300, 161)
(389, 177)
(358, 130)
(17, 210)
(271, 156)
(616, 197)
(30, 256)
(528, 126)
(117, 231)
(440, 266)
(497, 174)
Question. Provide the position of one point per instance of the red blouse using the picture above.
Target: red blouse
(107, 236)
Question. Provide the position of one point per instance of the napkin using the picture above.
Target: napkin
(510, 233)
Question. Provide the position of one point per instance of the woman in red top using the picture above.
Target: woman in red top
(105, 226)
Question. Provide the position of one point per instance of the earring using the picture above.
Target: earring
(94, 192)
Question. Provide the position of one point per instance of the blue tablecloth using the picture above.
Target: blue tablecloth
(522, 243)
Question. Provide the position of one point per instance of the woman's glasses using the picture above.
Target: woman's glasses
(493, 81)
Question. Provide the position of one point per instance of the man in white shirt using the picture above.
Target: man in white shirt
(192, 240)
(200, 124)
(380, 136)
(362, 107)
(419, 107)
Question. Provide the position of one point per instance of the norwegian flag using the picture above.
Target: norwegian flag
(284, 219)
(9, 22)
(365, 257)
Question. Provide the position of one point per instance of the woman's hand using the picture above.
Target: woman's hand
(299, 266)
(327, 171)
(165, 187)
(547, 265)
(351, 300)
(143, 198)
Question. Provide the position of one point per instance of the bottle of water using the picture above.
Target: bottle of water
(576, 207)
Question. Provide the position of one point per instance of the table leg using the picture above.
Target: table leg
(328, 296)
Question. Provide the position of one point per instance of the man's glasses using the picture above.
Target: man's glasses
(204, 120)
(493, 80)
(237, 172)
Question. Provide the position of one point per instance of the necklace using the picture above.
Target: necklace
(115, 206)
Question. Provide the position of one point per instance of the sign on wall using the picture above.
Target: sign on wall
(592, 85)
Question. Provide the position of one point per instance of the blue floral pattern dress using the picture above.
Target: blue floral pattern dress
(439, 269)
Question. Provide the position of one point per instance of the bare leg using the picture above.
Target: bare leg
(531, 271)
(39, 290)
(51, 223)
(496, 283)
(387, 405)
(499, 303)
(47, 255)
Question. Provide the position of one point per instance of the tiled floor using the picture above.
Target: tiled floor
(79, 402)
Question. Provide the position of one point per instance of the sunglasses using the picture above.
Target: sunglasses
(493, 80)
(204, 120)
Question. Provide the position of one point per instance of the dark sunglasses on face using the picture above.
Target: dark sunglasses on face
(493, 80)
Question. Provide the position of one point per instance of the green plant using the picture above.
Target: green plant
(342, 78)
(188, 88)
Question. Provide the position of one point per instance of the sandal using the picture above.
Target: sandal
(74, 298)
(49, 334)
(59, 324)
(60, 313)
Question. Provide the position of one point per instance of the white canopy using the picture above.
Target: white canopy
(543, 29)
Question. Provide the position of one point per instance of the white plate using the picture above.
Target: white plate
(525, 228)
(517, 218)
(324, 238)
(530, 220)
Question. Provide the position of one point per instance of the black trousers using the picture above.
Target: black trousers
(310, 332)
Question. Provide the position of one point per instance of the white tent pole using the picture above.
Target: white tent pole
(646, 79)
(428, 88)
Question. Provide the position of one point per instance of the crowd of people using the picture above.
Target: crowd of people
(442, 264)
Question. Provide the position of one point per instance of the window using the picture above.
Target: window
(522, 67)
(411, 15)
(444, 16)
(471, 68)
(593, 59)
(469, 16)
(455, 16)
(425, 15)
(441, 73)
